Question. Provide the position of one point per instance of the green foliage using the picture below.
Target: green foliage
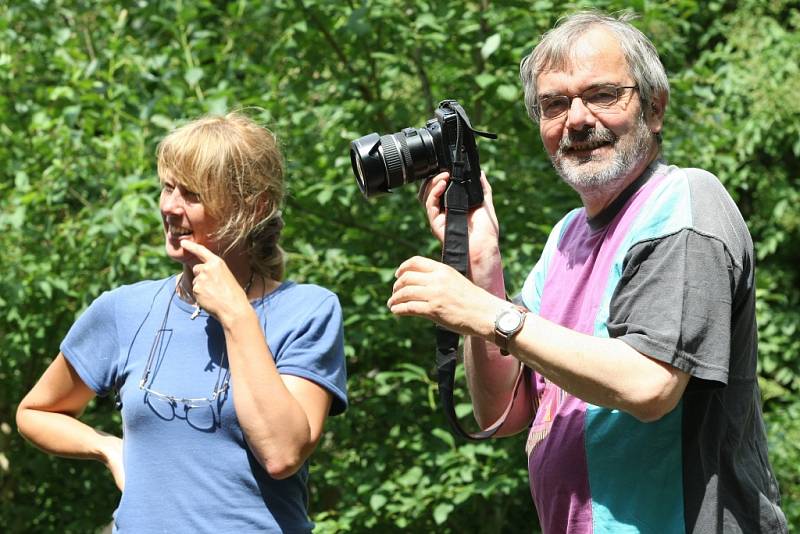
(88, 88)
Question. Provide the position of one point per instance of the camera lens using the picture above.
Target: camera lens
(382, 163)
(366, 157)
(397, 160)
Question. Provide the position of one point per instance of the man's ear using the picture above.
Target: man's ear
(655, 115)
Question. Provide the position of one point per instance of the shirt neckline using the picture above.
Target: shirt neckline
(255, 303)
(602, 219)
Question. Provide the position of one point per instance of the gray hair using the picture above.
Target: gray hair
(556, 47)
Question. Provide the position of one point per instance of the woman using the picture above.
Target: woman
(224, 373)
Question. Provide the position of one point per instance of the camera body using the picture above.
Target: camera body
(382, 163)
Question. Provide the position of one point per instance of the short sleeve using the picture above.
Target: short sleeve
(673, 303)
(315, 351)
(92, 345)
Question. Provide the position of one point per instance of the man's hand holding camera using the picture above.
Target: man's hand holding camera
(483, 230)
(435, 291)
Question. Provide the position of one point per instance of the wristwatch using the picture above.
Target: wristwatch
(508, 322)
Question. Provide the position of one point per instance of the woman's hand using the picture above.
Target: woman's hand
(47, 417)
(112, 458)
(214, 287)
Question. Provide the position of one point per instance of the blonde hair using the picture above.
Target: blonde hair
(236, 168)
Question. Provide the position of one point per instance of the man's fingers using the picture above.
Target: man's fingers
(429, 191)
(409, 300)
(417, 263)
(413, 307)
(411, 278)
(410, 288)
(436, 188)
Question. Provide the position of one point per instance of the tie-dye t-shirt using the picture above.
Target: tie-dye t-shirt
(667, 268)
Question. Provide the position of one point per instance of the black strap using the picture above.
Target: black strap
(455, 252)
(447, 349)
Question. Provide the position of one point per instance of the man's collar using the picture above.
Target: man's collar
(604, 217)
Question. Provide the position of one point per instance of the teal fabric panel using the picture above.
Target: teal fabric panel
(616, 462)
(534, 283)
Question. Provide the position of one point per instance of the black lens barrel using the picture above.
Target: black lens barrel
(393, 159)
(367, 162)
(382, 163)
(422, 152)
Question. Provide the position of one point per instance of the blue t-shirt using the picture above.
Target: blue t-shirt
(190, 470)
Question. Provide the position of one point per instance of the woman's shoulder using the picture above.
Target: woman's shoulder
(120, 306)
(144, 290)
(305, 289)
(302, 297)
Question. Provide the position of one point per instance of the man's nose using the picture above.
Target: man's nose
(579, 117)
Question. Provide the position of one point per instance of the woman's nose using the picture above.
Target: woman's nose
(171, 201)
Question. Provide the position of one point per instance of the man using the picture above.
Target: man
(641, 335)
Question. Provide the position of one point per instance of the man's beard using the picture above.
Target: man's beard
(590, 174)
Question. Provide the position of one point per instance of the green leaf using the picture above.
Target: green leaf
(442, 512)
(445, 436)
(162, 121)
(509, 93)
(485, 79)
(377, 501)
(490, 46)
(193, 75)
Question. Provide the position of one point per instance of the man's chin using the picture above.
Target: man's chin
(586, 177)
(582, 170)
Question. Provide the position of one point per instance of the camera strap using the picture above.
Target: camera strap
(455, 253)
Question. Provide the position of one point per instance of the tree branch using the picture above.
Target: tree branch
(337, 50)
(385, 237)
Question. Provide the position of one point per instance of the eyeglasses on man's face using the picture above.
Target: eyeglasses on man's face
(598, 98)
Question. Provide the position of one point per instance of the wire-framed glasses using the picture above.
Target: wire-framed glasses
(198, 411)
(598, 98)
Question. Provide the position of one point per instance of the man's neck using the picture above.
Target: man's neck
(595, 202)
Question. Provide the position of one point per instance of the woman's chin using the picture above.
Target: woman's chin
(176, 253)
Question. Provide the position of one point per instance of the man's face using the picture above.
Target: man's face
(595, 150)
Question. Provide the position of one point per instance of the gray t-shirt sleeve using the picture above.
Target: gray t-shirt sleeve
(92, 345)
(673, 304)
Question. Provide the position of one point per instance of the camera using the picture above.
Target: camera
(382, 163)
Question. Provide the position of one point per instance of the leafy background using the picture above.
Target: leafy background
(88, 88)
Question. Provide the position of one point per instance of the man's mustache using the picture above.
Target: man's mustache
(589, 137)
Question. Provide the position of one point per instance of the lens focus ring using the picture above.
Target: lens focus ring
(408, 168)
(395, 172)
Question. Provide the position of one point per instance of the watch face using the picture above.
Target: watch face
(509, 320)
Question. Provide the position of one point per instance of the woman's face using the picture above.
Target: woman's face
(184, 218)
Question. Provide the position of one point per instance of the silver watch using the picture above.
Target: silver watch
(508, 322)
